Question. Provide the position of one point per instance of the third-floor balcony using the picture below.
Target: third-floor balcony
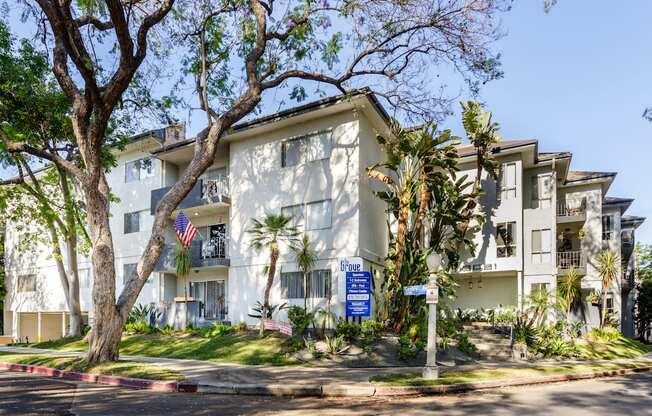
(205, 195)
(571, 259)
(571, 211)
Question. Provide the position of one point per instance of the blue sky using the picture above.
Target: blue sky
(577, 79)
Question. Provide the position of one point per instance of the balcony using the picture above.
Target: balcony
(571, 211)
(206, 194)
(568, 259)
(202, 254)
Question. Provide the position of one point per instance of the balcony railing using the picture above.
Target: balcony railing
(566, 259)
(205, 192)
(571, 209)
(202, 254)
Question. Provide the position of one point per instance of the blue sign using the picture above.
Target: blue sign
(358, 293)
(418, 290)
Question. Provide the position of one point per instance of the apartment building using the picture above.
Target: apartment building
(309, 162)
(542, 219)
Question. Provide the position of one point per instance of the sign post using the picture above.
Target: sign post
(430, 371)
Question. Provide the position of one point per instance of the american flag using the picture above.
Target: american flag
(184, 228)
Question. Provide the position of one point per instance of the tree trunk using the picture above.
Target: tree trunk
(603, 312)
(305, 291)
(273, 258)
(74, 308)
(107, 317)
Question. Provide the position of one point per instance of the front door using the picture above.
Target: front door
(212, 297)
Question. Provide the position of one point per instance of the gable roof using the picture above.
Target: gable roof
(578, 175)
(469, 150)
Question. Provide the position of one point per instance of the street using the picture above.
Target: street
(22, 394)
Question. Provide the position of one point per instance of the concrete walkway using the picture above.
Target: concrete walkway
(218, 374)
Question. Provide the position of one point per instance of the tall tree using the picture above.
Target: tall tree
(34, 109)
(268, 234)
(235, 52)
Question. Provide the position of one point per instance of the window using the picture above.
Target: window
(610, 304)
(296, 213)
(85, 278)
(506, 239)
(607, 227)
(127, 271)
(313, 215)
(507, 182)
(541, 191)
(139, 169)
(132, 222)
(319, 284)
(26, 283)
(306, 149)
(541, 246)
(318, 215)
(539, 287)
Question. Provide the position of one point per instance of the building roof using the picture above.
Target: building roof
(632, 220)
(543, 156)
(469, 150)
(612, 200)
(578, 176)
(295, 111)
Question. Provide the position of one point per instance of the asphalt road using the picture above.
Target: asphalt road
(29, 395)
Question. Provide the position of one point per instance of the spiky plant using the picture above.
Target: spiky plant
(608, 267)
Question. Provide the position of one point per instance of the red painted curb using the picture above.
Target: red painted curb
(154, 385)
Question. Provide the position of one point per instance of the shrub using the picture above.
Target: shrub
(347, 330)
(550, 342)
(524, 331)
(241, 327)
(166, 330)
(310, 345)
(220, 329)
(409, 348)
(464, 345)
(607, 334)
(336, 345)
(139, 327)
(370, 330)
(139, 313)
(300, 320)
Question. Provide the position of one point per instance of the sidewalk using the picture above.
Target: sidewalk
(225, 375)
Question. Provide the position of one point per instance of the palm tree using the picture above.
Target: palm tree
(608, 262)
(267, 234)
(538, 302)
(568, 289)
(306, 257)
(182, 264)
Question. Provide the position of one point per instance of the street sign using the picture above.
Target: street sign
(358, 293)
(432, 293)
(344, 265)
(418, 290)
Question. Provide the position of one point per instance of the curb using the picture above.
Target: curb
(365, 390)
(138, 383)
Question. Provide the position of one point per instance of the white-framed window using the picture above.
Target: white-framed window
(507, 182)
(140, 169)
(541, 246)
(304, 149)
(506, 239)
(542, 191)
(540, 287)
(316, 215)
(319, 284)
(26, 283)
(85, 278)
(607, 227)
(132, 222)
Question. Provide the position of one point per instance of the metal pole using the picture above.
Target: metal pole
(430, 371)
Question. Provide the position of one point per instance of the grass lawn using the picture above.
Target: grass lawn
(457, 377)
(620, 348)
(119, 368)
(239, 348)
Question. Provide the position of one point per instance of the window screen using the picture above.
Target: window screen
(541, 246)
(506, 239)
(132, 222)
(306, 149)
(26, 283)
